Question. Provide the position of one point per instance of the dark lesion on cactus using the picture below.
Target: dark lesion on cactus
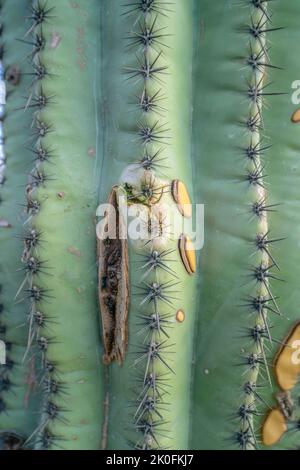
(11, 441)
(13, 75)
(286, 404)
(114, 286)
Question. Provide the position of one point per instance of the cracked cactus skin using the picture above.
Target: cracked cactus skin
(131, 424)
(18, 388)
(61, 204)
(227, 285)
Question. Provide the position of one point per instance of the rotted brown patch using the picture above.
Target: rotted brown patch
(286, 404)
(114, 287)
(11, 441)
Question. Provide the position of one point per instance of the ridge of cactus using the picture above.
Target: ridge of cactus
(233, 188)
(61, 201)
(262, 302)
(18, 377)
(149, 105)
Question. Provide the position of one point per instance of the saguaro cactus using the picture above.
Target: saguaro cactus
(149, 105)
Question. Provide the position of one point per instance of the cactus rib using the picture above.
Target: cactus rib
(57, 251)
(18, 390)
(236, 284)
(151, 153)
(263, 301)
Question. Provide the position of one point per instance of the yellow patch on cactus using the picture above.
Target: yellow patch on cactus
(275, 426)
(180, 316)
(182, 198)
(296, 116)
(287, 363)
(188, 254)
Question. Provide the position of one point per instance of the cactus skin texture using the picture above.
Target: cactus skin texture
(284, 181)
(18, 378)
(143, 415)
(147, 99)
(61, 204)
(234, 359)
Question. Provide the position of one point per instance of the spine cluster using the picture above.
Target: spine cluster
(261, 302)
(35, 268)
(158, 280)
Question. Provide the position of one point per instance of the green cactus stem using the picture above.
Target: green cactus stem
(61, 204)
(128, 342)
(239, 279)
(147, 114)
(283, 169)
(18, 377)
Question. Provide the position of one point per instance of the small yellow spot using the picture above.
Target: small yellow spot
(296, 116)
(287, 363)
(188, 254)
(274, 427)
(182, 198)
(180, 316)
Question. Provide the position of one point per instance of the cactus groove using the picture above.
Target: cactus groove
(63, 324)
